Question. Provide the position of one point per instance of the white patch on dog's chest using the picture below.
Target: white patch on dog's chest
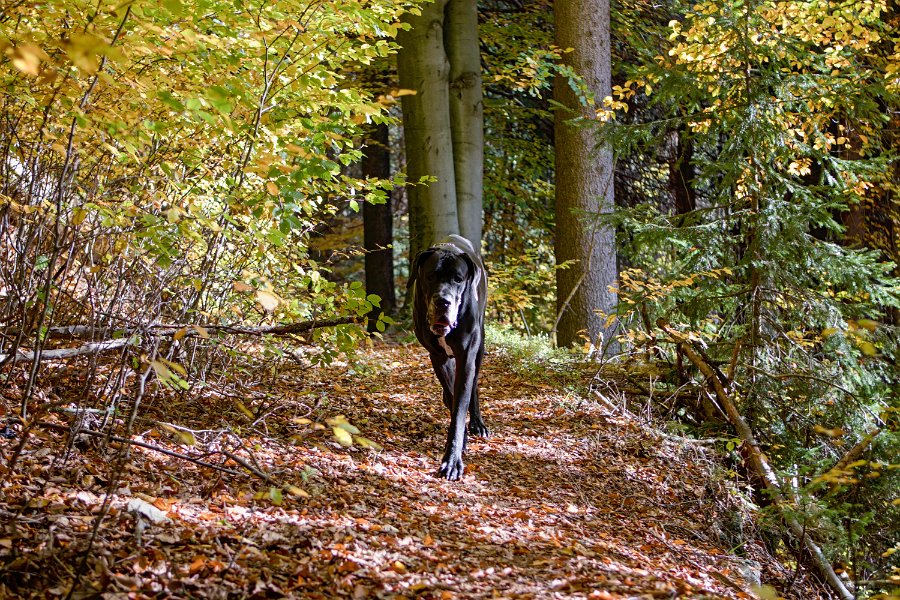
(444, 345)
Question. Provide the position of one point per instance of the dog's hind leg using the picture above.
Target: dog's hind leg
(476, 423)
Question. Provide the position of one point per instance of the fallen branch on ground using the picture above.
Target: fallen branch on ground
(121, 440)
(115, 438)
(758, 462)
(193, 329)
(92, 348)
(88, 332)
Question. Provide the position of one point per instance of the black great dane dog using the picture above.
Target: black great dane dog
(449, 292)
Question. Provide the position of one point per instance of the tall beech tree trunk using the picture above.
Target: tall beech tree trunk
(442, 122)
(466, 114)
(422, 66)
(378, 228)
(584, 180)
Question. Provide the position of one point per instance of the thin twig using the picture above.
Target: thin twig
(121, 440)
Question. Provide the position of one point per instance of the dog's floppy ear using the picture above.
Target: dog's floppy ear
(474, 273)
(416, 264)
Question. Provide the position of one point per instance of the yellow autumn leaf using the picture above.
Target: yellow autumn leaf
(295, 491)
(342, 436)
(185, 437)
(367, 443)
(27, 57)
(272, 188)
(341, 421)
(829, 432)
(766, 592)
(398, 567)
(867, 324)
(268, 300)
(84, 50)
(174, 366)
(298, 150)
(867, 348)
(240, 286)
(246, 411)
(161, 370)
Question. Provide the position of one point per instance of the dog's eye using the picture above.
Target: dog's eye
(458, 279)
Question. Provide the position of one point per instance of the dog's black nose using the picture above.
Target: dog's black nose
(441, 302)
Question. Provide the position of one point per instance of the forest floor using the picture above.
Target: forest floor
(567, 499)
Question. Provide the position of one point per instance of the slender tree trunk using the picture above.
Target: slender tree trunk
(422, 66)
(378, 228)
(682, 173)
(466, 114)
(584, 180)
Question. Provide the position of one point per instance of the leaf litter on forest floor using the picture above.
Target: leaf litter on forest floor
(563, 501)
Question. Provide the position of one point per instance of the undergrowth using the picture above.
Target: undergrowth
(535, 359)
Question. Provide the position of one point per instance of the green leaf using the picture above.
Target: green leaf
(275, 496)
(348, 428)
(175, 7)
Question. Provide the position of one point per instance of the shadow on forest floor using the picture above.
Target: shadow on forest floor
(561, 501)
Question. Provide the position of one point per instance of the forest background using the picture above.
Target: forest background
(179, 176)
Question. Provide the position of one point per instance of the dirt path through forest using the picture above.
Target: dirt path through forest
(563, 501)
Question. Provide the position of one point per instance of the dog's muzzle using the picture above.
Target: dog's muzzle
(442, 320)
(441, 326)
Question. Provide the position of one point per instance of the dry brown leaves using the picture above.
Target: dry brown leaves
(564, 501)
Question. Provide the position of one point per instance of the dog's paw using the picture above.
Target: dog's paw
(479, 429)
(451, 468)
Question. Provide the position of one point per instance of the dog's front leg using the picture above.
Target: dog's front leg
(464, 384)
(443, 370)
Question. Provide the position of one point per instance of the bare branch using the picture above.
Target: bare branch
(92, 348)
(189, 330)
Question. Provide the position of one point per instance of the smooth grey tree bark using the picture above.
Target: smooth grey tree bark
(466, 114)
(422, 66)
(442, 122)
(584, 180)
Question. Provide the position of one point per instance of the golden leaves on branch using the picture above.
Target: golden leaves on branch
(26, 57)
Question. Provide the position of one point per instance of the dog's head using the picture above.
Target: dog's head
(443, 277)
